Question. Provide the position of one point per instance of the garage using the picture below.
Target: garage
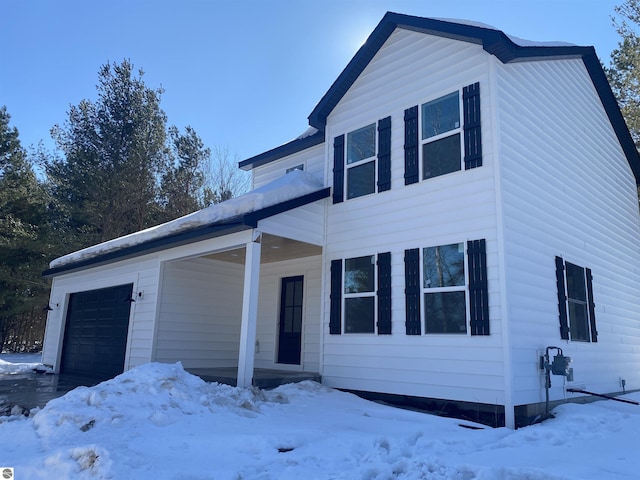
(95, 338)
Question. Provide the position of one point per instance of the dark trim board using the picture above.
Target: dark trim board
(289, 148)
(484, 413)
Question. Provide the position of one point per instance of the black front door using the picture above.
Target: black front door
(95, 337)
(290, 331)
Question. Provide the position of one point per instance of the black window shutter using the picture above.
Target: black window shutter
(384, 293)
(592, 306)
(335, 309)
(478, 287)
(338, 169)
(412, 291)
(384, 154)
(562, 299)
(472, 133)
(411, 145)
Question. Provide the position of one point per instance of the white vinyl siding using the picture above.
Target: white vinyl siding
(199, 313)
(312, 158)
(567, 191)
(305, 223)
(410, 69)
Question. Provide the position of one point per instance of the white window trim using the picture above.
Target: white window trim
(373, 294)
(461, 288)
(422, 142)
(569, 300)
(296, 167)
(373, 158)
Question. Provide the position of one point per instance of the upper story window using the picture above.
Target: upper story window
(297, 167)
(575, 302)
(361, 161)
(442, 135)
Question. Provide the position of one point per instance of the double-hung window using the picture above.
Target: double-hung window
(444, 289)
(447, 291)
(362, 161)
(575, 302)
(442, 135)
(361, 295)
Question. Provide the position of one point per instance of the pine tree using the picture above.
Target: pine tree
(183, 182)
(24, 243)
(114, 150)
(624, 70)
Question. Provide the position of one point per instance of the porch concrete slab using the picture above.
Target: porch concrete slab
(31, 390)
(262, 377)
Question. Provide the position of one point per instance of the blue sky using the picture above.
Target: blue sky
(244, 74)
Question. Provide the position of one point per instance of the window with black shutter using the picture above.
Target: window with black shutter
(338, 169)
(412, 291)
(440, 281)
(478, 287)
(360, 300)
(335, 298)
(576, 306)
(362, 161)
(411, 173)
(384, 293)
(384, 154)
(443, 134)
(472, 132)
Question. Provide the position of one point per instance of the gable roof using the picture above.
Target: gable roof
(495, 42)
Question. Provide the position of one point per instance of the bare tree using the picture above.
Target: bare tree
(223, 178)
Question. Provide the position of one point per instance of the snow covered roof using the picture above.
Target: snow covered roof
(290, 191)
(518, 41)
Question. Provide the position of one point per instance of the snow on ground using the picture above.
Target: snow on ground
(292, 185)
(157, 421)
(14, 363)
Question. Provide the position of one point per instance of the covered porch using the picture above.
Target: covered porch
(244, 314)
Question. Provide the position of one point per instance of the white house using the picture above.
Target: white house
(467, 200)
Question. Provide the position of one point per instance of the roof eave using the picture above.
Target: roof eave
(237, 224)
(289, 148)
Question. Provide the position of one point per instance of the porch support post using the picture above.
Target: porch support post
(249, 311)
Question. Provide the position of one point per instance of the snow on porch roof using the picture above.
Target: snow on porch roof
(295, 189)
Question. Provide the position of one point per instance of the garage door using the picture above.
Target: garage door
(95, 337)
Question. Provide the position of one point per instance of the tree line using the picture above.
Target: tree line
(118, 167)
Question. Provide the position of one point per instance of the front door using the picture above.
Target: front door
(290, 330)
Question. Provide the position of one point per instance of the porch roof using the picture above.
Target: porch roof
(228, 226)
